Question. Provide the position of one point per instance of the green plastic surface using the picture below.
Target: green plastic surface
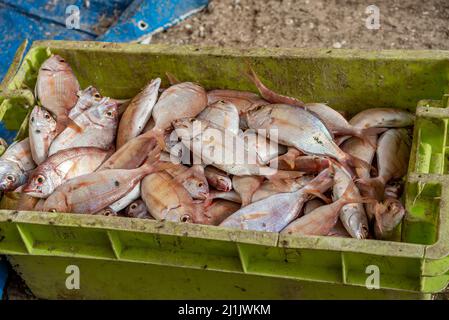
(131, 258)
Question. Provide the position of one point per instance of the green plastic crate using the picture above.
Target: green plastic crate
(131, 258)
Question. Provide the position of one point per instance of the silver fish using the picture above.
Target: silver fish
(42, 130)
(15, 165)
(382, 118)
(94, 128)
(275, 212)
(125, 201)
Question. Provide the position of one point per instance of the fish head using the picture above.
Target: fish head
(223, 183)
(137, 209)
(41, 120)
(56, 64)
(197, 187)
(105, 113)
(11, 176)
(39, 185)
(89, 94)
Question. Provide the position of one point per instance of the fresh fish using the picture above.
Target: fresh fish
(42, 130)
(223, 114)
(177, 102)
(138, 209)
(382, 118)
(125, 201)
(211, 145)
(57, 87)
(269, 188)
(15, 165)
(272, 96)
(95, 191)
(94, 128)
(388, 216)
(86, 98)
(218, 179)
(320, 221)
(301, 129)
(138, 113)
(393, 153)
(361, 149)
(245, 186)
(352, 215)
(275, 212)
(244, 101)
(337, 124)
(192, 179)
(62, 166)
(266, 149)
(167, 199)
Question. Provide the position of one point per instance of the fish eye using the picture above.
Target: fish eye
(61, 60)
(133, 206)
(40, 179)
(32, 119)
(97, 95)
(200, 184)
(109, 113)
(185, 218)
(47, 116)
(10, 178)
(52, 210)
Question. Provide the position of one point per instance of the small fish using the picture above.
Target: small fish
(57, 87)
(222, 114)
(15, 165)
(218, 179)
(62, 166)
(301, 129)
(275, 212)
(94, 128)
(245, 186)
(363, 150)
(138, 113)
(218, 211)
(393, 153)
(352, 215)
(138, 209)
(95, 191)
(42, 130)
(320, 221)
(86, 98)
(382, 118)
(269, 188)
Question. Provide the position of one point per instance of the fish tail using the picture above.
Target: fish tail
(270, 95)
(172, 78)
(317, 193)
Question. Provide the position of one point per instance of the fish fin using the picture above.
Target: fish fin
(172, 79)
(158, 135)
(270, 95)
(318, 194)
(288, 158)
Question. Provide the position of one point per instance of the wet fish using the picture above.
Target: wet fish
(320, 221)
(42, 130)
(269, 188)
(245, 186)
(275, 212)
(388, 216)
(167, 199)
(94, 128)
(138, 113)
(364, 150)
(218, 211)
(393, 153)
(57, 87)
(352, 215)
(211, 145)
(95, 191)
(301, 129)
(192, 179)
(138, 209)
(266, 150)
(62, 166)
(223, 114)
(383, 118)
(126, 200)
(15, 165)
(177, 102)
(86, 99)
(218, 179)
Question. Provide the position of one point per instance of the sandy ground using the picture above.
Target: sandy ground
(406, 24)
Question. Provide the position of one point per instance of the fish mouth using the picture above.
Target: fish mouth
(32, 192)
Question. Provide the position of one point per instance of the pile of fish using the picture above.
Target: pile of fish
(158, 156)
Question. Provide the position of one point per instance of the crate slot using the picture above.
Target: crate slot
(420, 225)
